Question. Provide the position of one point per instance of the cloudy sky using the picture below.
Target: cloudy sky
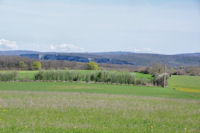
(154, 26)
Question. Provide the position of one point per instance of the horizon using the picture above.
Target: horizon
(95, 52)
(158, 27)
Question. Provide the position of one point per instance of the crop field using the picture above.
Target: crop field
(185, 83)
(59, 107)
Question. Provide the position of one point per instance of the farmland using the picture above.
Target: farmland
(80, 107)
(54, 107)
(99, 66)
(185, 83)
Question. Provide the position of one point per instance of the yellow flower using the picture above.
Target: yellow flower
(151, 126)
(5, 110)
(26, 126)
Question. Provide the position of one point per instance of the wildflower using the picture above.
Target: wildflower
(5, 110)
(151, 127)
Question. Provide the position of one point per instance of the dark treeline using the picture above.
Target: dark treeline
(129, 68)
(13, 63)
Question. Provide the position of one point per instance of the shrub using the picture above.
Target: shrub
(159, 80)
(40, 76)
(94, 76)
(193, 71)
(22, 65)
(36, 65)
(178, 72)
(141, 82)
(92, 66)
(8, 76)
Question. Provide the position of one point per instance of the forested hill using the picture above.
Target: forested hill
(128, 58)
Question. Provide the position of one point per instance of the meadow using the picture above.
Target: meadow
(185, 83)
(55, 107)
(79, 107)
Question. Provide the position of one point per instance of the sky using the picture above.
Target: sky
(150, 26)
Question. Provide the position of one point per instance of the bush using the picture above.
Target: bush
(36, 65)
(178, 72)
(40, 76)
(141, 82)
(22, 65)
(92, 66)
(193, 71)
(159, 79)
(8, 76)
(94, 76)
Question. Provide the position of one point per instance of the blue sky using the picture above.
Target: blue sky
(154, 26)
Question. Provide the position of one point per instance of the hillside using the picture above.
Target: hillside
(121, 58)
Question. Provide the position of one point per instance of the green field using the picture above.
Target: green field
(74, 107)
(143, 76)
(185, 83)
(59, 107)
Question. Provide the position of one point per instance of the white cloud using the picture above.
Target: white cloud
(66, 48)
(8, 45)
(52, 47)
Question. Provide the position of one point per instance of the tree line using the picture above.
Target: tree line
(22, 63)
(112, 77)
(158, 68)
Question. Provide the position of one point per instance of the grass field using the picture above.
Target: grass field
(59, 107)
(185, 83)
(143, 76)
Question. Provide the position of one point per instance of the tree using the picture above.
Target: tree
(161, 79)
(156, 68)
(36, 65)
(22, 65)
(92, 66)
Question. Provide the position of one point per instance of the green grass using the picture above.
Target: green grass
(185, 83)
(97, 88)
(148, 77)
(60, 107)
(75, 107)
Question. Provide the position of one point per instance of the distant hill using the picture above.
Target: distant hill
(17, 52)
(191, 54)
(122, 58)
